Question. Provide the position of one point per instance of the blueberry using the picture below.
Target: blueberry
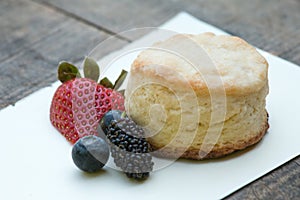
(90, 153)
(108, 117)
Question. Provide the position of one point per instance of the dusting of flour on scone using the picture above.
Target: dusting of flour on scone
(161, 80)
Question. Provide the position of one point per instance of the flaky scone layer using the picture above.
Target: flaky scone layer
(178, 109)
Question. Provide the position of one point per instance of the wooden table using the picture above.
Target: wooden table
(36, 34)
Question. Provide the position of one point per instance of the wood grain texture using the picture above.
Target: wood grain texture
(32, 47)
(273, 25)
(23, 24)
(36, 34)
(118, 16)
(282, 183)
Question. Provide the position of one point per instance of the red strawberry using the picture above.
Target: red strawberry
(107, 99)
(79, 104)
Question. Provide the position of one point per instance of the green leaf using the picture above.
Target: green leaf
(106, 83)
(120, 80)
(123, 115)
(67, 71)
(91, 69)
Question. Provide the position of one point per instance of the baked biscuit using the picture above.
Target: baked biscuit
(199, 96)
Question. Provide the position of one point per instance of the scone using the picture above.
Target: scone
(199, 96)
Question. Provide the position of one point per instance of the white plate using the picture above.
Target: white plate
(36, 161)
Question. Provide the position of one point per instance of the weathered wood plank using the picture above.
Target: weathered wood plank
(282, 183)
(33, 58)
(272, 25)
(118, 16)
(23, 24)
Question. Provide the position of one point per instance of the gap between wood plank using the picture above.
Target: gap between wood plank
(80, 19)
(26, 46)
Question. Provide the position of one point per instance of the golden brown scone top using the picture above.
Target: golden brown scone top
(226, 62)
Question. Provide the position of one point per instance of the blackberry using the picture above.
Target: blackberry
(129, 148)
(108, 118)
